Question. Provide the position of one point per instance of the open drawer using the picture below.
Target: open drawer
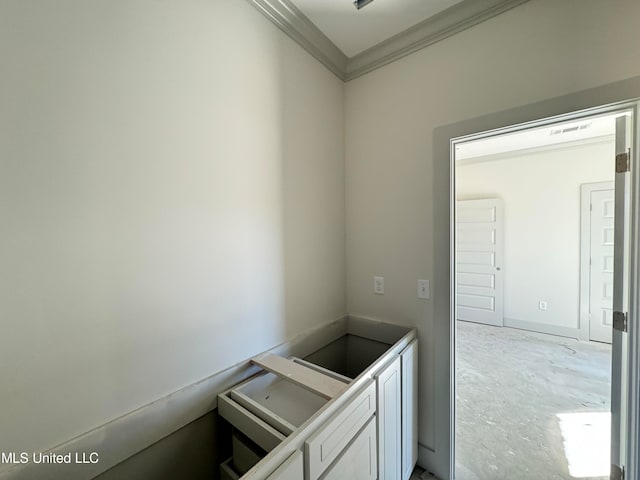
(280, 403)
(271, 405)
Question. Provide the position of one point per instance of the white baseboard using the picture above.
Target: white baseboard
(543, 328)
(131, 433)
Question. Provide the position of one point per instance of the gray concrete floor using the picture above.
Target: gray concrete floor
(511, 385)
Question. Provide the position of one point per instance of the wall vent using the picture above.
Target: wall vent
(560, 131)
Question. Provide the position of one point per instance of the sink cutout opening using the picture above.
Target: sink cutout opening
(349, 355)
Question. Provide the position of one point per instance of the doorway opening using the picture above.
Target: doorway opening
(534, 218)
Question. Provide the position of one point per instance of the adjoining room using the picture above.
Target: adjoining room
(534, 302)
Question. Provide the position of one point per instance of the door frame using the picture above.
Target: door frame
(632, 374)
(585, 250)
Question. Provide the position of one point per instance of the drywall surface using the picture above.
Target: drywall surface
(542, 209)
(171, 203)
(397, 192)
(191, 452)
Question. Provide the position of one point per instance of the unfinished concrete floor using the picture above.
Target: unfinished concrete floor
(530, 406)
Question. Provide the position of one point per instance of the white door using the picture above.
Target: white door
(479, 253)
(601, 241)
(620, 388)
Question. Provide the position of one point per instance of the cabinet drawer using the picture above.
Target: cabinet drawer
(253, 427)
(324, 446)
(282, 404)
(267, 408)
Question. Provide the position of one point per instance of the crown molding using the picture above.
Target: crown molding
(453, 20)
(296, 25)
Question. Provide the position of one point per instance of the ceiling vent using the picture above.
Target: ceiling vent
(560, 131)
(361, 3)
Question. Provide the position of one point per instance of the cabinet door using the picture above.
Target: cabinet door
(291, 469)
(325, 445)
(358, 460)
(409, 409)
(389, 421)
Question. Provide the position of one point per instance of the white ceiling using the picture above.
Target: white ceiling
(353, 30)
(556, 134)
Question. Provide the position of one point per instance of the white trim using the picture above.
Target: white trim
(300, 29)
(455, 19)
(452, 320)
(131, 433)
(585, 252)
(545, 328)
(633, 417)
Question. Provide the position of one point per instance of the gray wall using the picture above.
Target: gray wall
(397, 179)
(171, 203)
(190, 453)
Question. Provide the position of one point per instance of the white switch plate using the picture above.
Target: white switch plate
(542, 305)
(424, 289)
(378, 285)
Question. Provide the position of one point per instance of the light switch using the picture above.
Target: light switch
(424, 289)
(378, 285)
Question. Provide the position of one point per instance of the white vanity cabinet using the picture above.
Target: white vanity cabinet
(344, 411)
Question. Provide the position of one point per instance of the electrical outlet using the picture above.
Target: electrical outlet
(542, 305)
(378, 285)
(424, 289)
